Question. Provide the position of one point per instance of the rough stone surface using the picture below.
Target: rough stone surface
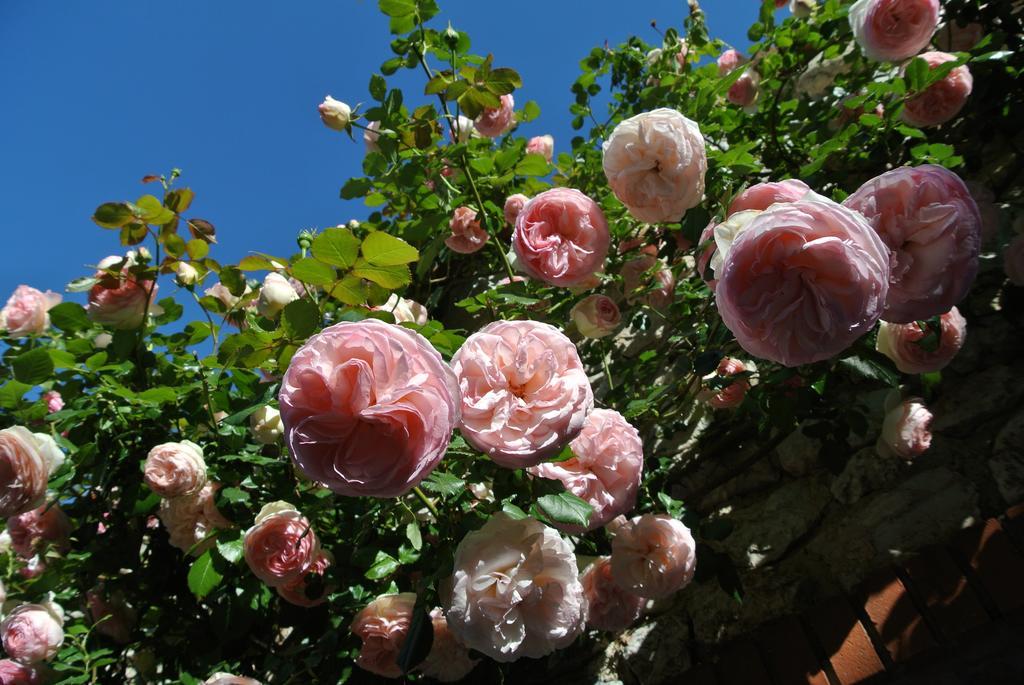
(866, 471)
(798, 453)
(654, 652)
(989, 393)
(1007, 462)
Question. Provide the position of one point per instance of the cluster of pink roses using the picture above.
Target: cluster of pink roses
(284, 552)
(31, 635)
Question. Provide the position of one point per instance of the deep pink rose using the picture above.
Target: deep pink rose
(893, 30)
(745, 90)
(648, 280)
(54, 402)
(542, 145)
(120, 302)
(596, 316)
(31, 531)
(368, 408)
(383, 625)
(905, 430)
(13, 673)
(605, 469)
(525, 393)
(729, 60)
(761, 196)
(731, 395)
(943, 100)
(448, 660)
(27, 460)
(281, 546)
(901, 342)
(930, 222)
(956, 37)
(1013, 261)
(190, 519)
(467, 237)
(299, 591)
(561, 237)
(611, 608)
(26, 311)
(653, 556)
(513, 205)
(33, 632)
(494, 122)
(803, 281)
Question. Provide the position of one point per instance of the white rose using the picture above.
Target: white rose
(265, 425)
(186, 274)
(274, 295)
(335, 114)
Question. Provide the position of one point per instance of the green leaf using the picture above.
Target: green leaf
(871, 369)
(33, 367)
(673, 507)
(230, 546)
(383, 565)
(113, 214)
(531, 110)
(162, 395)
(533, 165)
(337, 247)
(255, 263)
(80, 285)
(566, 507)
(513, 511)
(382, 249)
(350, 290)
(916, 74)
(397, 8)
(233, 280)
(203, 577)
(390, 277)
(300, 318)
(378, 87)
(197, 248)
(69, 316)
(444, 483)
(11, 393)
(152, 211)
(412, 532)
(313, 272)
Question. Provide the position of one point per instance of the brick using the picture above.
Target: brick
(699, 675)
(896, 620)
(787, 654)
(846, 642)
(951, 603)
(741, 665)
(998, 564)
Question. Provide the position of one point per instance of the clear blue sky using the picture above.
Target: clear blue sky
(96, 94)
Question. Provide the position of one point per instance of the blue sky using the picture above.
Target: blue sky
(98, 94)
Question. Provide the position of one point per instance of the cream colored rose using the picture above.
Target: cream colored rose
(190, 519)
(404, 310)
(265, 425)
(175, 468)
(653, 556)
(186, 274)
(275, 294)
(596, 316)
(335, 114)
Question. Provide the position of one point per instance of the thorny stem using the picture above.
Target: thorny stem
(428, 502)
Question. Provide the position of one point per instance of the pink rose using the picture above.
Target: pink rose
(32, 530)
(611, 608)
(26, 462)
(228, 679)
(513, 205)
(648, 280)
(467, 237)
(729, 60)
(525, 393)
(803, 281)
(901, 342)
(561, 237)
(13, 673)
(33, 633)
(370, 137)
(120, 302)
(930, 222)
(26, 311)
(893, 30)
(368, 408)
(653, 556)
(761, 196)
(596, 316)
(383, 625)
(281, 545)
(190, 519)
(405, 311)
(706, 244)
(1013, 261)
(299, 591)
(779, 4)
(605, 469)
(956, 37)
(515, 590)
(448, 660)
(111, 615)
(655, 164)
(731, 395)
(943, 100)
(542, 145)
(905, 430)
(745, 90)
(494, 122)
(175, 468)
(33, 568)
(54, 402)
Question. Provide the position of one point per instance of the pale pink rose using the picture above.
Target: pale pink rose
(561, 237)
(605, 469)
(991, 215)
(494, 122)
(1013, 261)
(335, 114)
(31, 531)
(405, 311)
(653, 556)
(26, 311)
(731, 395)
(513, 205)
(13, 673)
(893, 30)
(299, 591)
(648, 280)
(33, 633)
(745, 90)
(467, 237)
(928, 219)
(542, 145)
(900, 342)
(525, 393)
(611, 608)
(596, 316)
(281, 546)
(655, 164)
(706, 244)
(515, 590)
(120, 302)
(448, 660)
(943, 100)
(368, 408)
(175, 468)
(26, 462)
(111, 614)
(190, 519)
(803, 281)
(229, 679)
(761, 196)
(54, 402)
(276, 294)
(729, 60)
(33, 568)
(383, 625)
(219, 291)
(956, 37)
(370, 137)
(905, 430)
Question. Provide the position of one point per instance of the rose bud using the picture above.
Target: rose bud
(906, 343)
(265, 425)
(905, 430)
(467, 237)
(275, 294)
(335, 115)
(596, 316)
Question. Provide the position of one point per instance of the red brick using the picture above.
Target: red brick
(951, 603)
(899, 624)
(845, 640)
(699, 675)
(741, 665)
(788, 656)
(998, 564)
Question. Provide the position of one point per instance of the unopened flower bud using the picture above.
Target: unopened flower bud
(186, 274)
(335, 114)
(305, 239)
(274, 295)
